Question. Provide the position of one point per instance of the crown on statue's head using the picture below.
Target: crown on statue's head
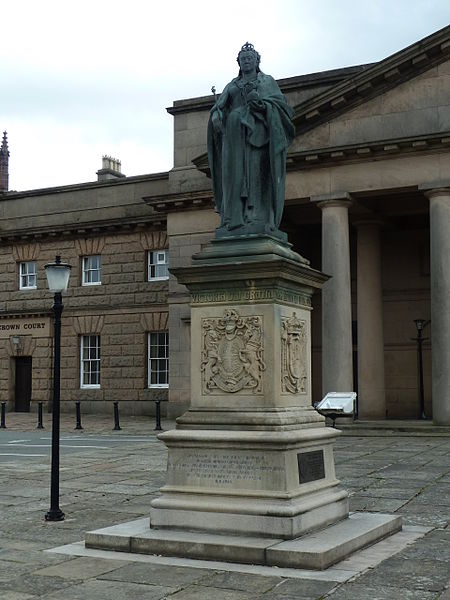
(247, 47)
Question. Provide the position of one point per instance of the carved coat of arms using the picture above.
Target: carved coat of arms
(293, 355)
(232, 353)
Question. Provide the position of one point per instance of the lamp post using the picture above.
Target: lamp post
(420, 325)
(58, 274)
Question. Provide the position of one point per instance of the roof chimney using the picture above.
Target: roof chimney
(111, 169)
(4, 160)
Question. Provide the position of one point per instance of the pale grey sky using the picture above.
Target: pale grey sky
(87, 78)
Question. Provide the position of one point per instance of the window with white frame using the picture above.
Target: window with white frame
(158, 265)
(90, 361)
(28, 275)
(91, 270)
(158, 359)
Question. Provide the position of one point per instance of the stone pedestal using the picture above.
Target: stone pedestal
(250, 470)
(251, 456)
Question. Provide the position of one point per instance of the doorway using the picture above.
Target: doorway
(22, 388)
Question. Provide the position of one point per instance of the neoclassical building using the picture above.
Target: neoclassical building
(367, 202)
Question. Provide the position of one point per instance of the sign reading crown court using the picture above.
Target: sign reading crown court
(34, 326)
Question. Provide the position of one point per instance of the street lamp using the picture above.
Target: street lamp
(58, 274)
(420, 325)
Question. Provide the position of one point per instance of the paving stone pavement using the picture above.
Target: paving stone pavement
(110, 477)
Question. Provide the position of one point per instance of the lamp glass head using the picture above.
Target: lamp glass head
(58, 274)
(420, 323)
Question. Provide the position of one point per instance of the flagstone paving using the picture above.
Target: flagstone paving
(109, 477)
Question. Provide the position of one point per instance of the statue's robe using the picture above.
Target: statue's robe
(248, 157)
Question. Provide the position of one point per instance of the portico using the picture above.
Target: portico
(388, 287)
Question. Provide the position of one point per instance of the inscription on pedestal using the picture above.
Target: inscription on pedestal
(310, 466)
(222, 469)
(253, 295)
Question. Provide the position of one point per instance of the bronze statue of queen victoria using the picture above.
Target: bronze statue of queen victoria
(249, 132)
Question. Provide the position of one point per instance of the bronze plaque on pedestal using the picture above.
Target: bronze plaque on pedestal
(310, 466)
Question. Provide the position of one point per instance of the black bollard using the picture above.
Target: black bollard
(40, 425)
(2, 421)
(158, 415)
(78, 412)
(116, 417)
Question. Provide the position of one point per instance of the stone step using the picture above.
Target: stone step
(137, 537)
(324, 548)
(391, 427)
(317, 550)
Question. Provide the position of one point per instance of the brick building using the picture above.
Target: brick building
(367, 196)
(115, 308)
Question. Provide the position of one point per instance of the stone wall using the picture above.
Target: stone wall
(121, 310)
(188, 233)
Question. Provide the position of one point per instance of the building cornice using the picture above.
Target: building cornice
(374, 150)
(181, 201)
(104, 227)
(14, 195)
(373, 81)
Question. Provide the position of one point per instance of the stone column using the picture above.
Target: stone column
(439, 195)
(337, 370)
(371, 385)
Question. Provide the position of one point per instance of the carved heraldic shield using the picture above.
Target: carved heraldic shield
(293, 355)
(232, 353)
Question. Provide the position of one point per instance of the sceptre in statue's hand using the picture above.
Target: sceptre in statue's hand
(216, 114)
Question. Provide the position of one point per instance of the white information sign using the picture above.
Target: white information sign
(338, 401)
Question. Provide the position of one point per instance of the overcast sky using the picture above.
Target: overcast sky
(87, 78)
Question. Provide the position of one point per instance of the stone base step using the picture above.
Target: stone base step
(318, 550)
(324, 548)
(391, 427)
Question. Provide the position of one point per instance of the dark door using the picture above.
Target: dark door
(23, 384)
